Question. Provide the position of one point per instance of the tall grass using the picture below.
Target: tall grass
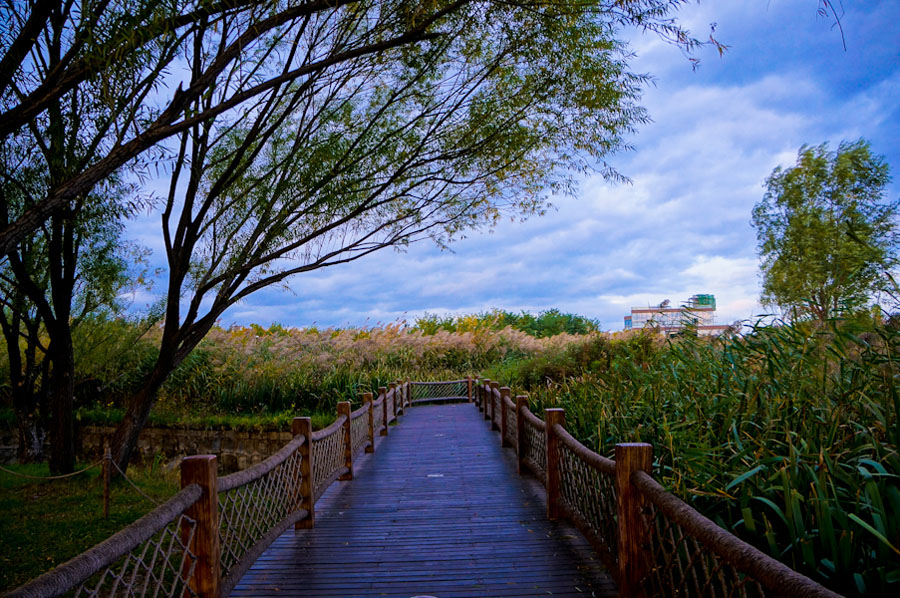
(788, 435)
(256, 370)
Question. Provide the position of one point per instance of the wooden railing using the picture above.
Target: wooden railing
(441, 391)
(202, 540)
(652, 543)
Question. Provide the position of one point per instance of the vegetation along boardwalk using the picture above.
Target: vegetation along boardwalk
(442, 508)
(438, 510)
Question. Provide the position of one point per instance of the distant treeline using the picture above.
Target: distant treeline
(547, 323)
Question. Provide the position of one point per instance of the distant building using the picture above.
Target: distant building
(700, 311)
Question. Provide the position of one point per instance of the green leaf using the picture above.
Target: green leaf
(874, 532)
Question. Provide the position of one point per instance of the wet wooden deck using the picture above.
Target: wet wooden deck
(438, 510)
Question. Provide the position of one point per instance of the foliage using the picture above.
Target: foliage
(262, 372)
(788, 436)
(57, 519)
(261, 51)
(383, 126)
(547, 323)
(826, 234)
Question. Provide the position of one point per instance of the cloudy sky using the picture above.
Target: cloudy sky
(683, 226)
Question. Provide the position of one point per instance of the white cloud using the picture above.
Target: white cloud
(682, 227)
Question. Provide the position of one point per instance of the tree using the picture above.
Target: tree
(502, 104)
(826, 233)
(73, 262)
(72, 268)
(96, 36)
(377, 122)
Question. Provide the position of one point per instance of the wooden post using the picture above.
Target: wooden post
(382, 393)
(408, 392)
(477, 392)
(303, 425)
(343, 408)
(485, 397)
(630, 457)
(551, 418)
(521, 406)
(107, 464)
(469, 387)
(504, 394)
(494, 386)
(399, 397)
(393, 387)
(367, 398)
(201, 470)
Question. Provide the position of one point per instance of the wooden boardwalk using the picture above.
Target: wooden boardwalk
(438, 510)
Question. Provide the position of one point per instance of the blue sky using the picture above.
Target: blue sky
(683, 225)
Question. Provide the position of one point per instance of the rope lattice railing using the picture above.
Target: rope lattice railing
(689, 555)
(511, 422)
(256, 505)
(359, 428)
(653, 543)
(327, 456)
(587, 487)
(389, 400)
(426, 391)
(378, 414)
(495, 407)
(534, 451)
(150, 557)
(202, 540)
(161, 566)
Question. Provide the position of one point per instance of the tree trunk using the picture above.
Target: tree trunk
(125, 439)
(32, 434)
(62, 392)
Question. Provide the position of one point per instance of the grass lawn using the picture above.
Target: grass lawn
(45, 523)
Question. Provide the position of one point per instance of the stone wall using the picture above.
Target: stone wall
(235, 450)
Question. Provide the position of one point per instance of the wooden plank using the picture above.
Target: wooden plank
(438, 510)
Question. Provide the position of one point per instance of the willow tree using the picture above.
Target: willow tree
(70, 264)
(827, 234)
(377, 122)
(495, 106)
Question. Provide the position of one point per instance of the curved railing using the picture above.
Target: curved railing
(203, 539)
(511, 426)
(153, 552)
(359, 427)
(688, 550)
(588, 494)
(380, 415)
(653, 543)
(328, 458)
(534, 447)
(255, 506)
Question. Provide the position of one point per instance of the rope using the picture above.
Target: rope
(133, 485)
(52, 477)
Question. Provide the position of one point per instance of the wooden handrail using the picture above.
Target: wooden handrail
(245, 476)
(73, 572)
(634, 489)
(198, 506)
(628, 477)
(770, 572)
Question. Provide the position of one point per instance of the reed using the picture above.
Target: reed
(787, 435)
